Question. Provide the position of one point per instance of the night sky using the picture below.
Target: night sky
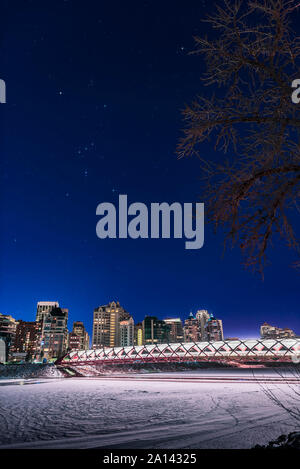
(94, 93)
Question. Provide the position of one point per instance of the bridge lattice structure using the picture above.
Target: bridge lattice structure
(241, 350)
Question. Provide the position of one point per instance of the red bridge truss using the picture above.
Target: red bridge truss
(285, 350)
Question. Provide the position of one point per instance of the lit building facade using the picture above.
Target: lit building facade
(79, 330)
(138, 334)
(175, 331)
(26, 340)
(54, 333)
(191, 329)
(202, 317)
(272, 332)
(155, 331)
(43, 308)
(214, 329)
(127, 332)
(8, 326)
(202, 328)
(106, 325)
(74, 341)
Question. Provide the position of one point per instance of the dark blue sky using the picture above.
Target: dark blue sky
(94, 92)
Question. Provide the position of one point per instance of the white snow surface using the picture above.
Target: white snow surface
(140, 411)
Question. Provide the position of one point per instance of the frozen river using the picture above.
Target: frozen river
(219, 410)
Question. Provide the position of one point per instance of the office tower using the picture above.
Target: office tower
(138, 334)
(79, 330)
(148, 329)
(155, 331)
(127, 332)
(106, 325)
(26, 341)
(8, 326)
(214, 329)
(272, 332)
(191, 329)
(202, 317)
(73, 341)
(43, 308)
(176, 330)
(54, 334)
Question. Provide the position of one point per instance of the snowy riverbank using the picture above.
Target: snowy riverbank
(29, 370)
(141, 413)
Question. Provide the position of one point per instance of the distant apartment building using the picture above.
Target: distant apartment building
(155, 331)
(127, 332)
(26, 341)
(106, 325)
(191, 329)
(202, 317)
(272, 332)
(138, 334)
(203, 327)
(73, 341)
(8, 326)
(79, 330)
(43, 308)
(54, 333)
(175, 330)
(214, 329)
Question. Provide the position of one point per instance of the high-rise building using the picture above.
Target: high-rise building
(84, 340)
(26, 340)
(8, 326)
(126, 332)
(191, 329)
(155, 331)
(214, 329)
(176, 330)
(54, 333)
(73, 341)
(138, 334)
(43, 308)
(202, 328)
(202, 317)
(106, 325)
(272, 332)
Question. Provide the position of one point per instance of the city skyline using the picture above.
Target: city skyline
(283, 325)
(80, 129)
(150, 229)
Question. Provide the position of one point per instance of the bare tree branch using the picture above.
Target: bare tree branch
(252, 59)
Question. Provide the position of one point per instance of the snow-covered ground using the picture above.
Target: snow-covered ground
(159, 411)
